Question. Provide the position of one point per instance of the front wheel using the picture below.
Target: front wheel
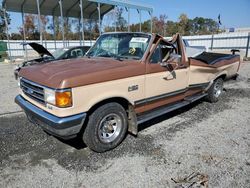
(106, 128)
(215, 91)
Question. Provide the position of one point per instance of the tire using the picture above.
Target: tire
(215, 91)
(106, 128)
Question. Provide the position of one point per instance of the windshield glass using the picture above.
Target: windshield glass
(59, 52)
(120, 45)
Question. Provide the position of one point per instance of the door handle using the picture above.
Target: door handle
(166, 78)
(172, 74)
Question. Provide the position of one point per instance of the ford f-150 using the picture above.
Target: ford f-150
(124, 80)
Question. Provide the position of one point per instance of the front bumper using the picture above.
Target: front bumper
(64, 127)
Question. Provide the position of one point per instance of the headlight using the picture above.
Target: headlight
(58, 98)
(18, 81)
(49, 96)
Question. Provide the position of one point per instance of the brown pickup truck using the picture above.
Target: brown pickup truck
(124, 80)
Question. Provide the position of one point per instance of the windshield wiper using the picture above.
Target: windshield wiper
(89, 55)
(119, 58)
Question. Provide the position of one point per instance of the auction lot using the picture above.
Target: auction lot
(202, 145)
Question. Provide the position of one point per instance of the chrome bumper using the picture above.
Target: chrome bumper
(63, 127)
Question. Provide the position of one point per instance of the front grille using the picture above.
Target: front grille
(32, 90)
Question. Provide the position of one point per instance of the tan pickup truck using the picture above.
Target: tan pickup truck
(124, 80)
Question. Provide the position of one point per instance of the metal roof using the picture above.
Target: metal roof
(71, 8)
(127, 4)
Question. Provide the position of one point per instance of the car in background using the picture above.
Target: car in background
(46, 56)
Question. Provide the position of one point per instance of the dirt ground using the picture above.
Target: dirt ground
(201, 145)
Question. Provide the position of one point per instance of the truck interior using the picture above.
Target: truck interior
(164, 50)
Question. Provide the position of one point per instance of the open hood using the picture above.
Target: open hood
(39, 49)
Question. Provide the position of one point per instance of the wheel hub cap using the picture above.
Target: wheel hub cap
(218, 88)
(110, 128)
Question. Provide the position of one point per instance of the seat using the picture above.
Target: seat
(73, 54)
(138, 52)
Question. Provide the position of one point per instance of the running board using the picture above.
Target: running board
(163, 110)
(195, 97)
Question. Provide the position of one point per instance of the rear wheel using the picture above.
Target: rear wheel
(215, 91)
(106, 127)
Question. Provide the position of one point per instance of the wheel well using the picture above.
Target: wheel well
(223, 76)
(132, 120)
(118, 100)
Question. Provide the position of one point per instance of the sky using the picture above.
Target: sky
(233, 13)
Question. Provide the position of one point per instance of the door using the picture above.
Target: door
(166, 79)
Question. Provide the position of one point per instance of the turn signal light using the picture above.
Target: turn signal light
(64, 99)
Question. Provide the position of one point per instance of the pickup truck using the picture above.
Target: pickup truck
(124, 80)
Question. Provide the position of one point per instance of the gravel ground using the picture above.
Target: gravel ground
(200, 145)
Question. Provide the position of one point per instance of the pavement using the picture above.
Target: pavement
(201, 145)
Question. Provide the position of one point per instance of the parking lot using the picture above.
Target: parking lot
(201, 145)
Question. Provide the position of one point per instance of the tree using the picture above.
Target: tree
(183, 25)
(121, 23)
(160, 24)
(16, 36)
(108, 21)
(44, 27)
(171, 28)
(30, 28)
(3, 34)
(56, 28)
(202, 26)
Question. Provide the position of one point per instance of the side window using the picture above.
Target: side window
(162, 52)
(156, 57)
(66, 55)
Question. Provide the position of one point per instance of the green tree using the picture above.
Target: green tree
(3, 34)
(202, 26)
(171, 28)
(16, 36)
(183, 24)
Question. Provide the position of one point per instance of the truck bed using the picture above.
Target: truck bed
(212, 58)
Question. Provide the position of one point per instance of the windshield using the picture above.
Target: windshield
(120, 45)
(59, 52)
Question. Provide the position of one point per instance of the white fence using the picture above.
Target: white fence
(18, 50)
(220, 42)
(223, 42)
